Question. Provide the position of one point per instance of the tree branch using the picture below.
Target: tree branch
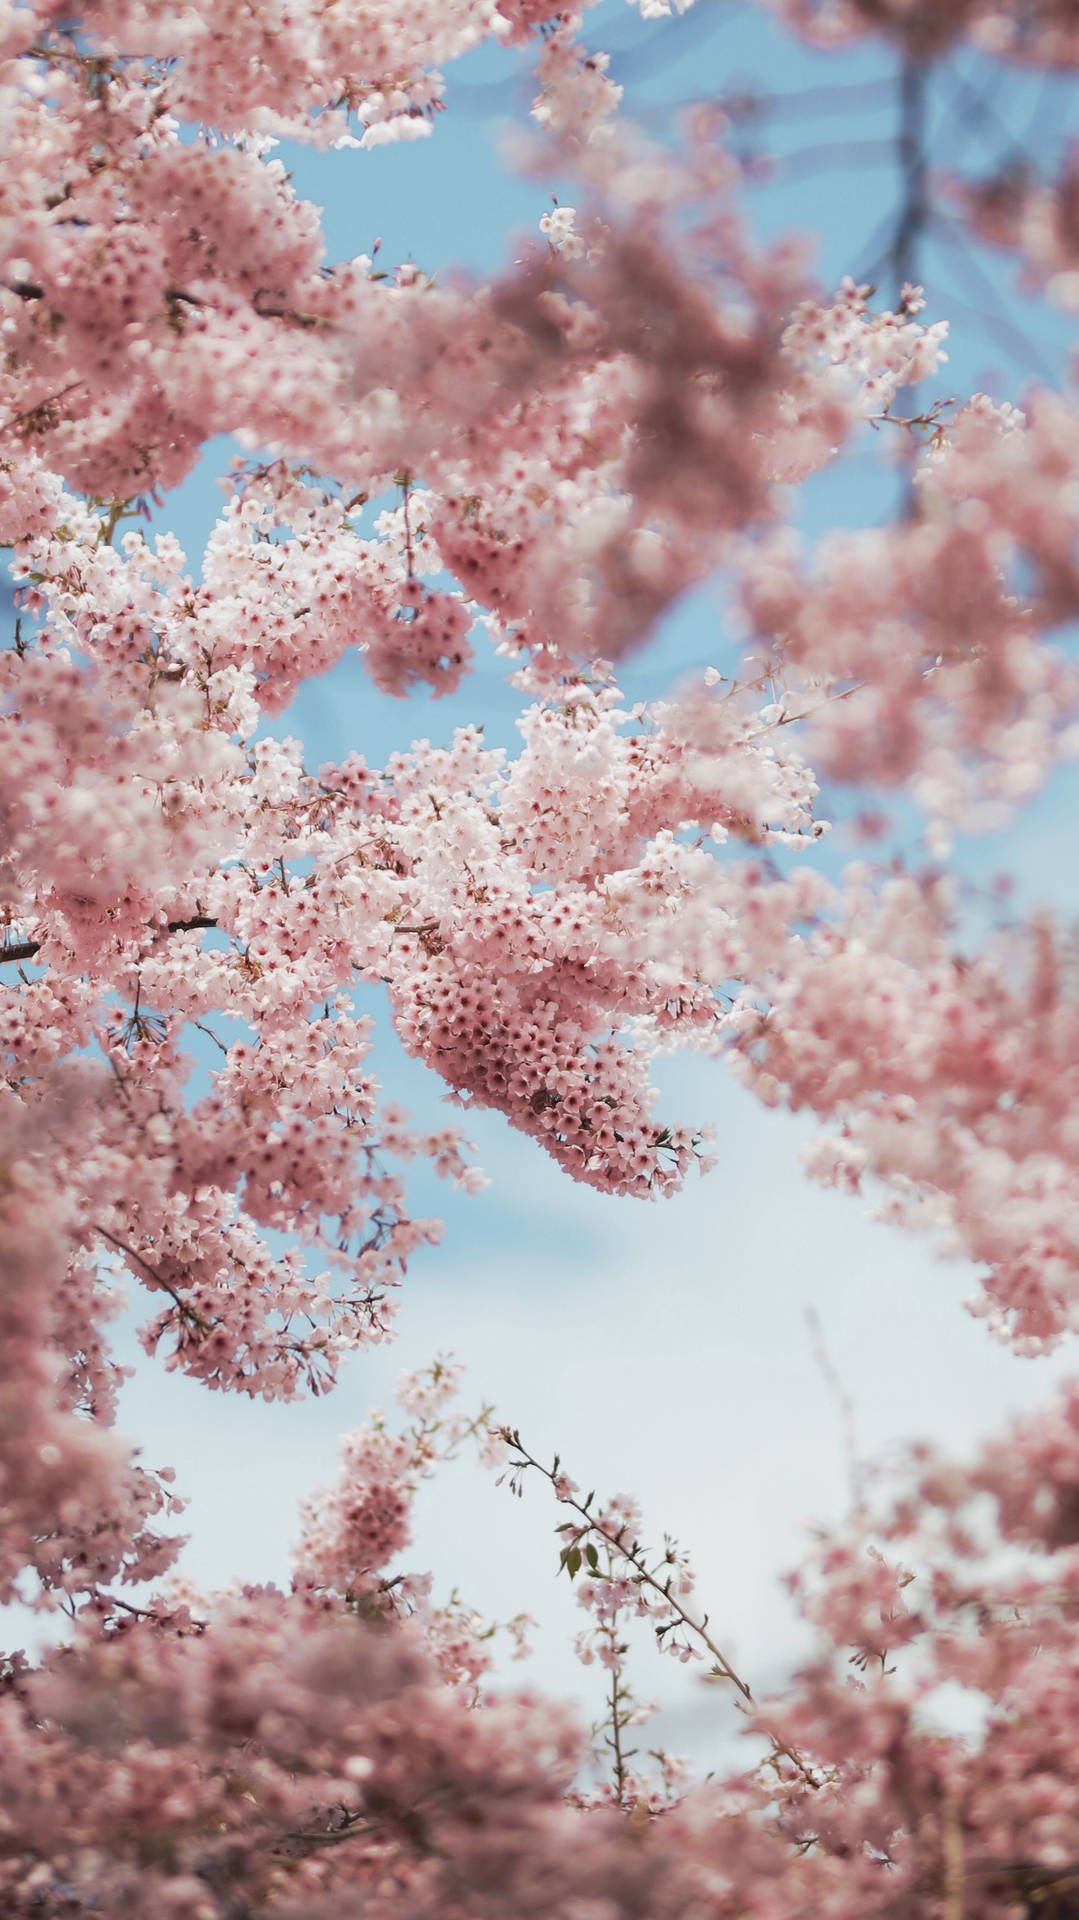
(914, 208)
(631, 1553)
(27, 949)
(188, 1312)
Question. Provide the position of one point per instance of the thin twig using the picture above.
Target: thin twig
(844, 1401)
(188, 1311)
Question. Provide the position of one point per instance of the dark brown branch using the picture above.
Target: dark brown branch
(39, 418)
(914, 208)
(299, 1842)
(26, 949)
(189, 926)
(184, 1306)
(278, 312)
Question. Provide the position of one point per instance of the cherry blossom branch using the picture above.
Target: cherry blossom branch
(43, 413)
(211, 1035)
(405, 481)
(620, 1702)
(27, 949)
(614, 1537)
(357, 1826)
(150, 1613)
(189, 1312)
(930, 417)
(194, 924)
(615, 1722)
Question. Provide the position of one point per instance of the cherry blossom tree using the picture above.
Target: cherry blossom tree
(542, 465)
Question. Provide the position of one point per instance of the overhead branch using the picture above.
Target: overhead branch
(914, 206)
(28, 949)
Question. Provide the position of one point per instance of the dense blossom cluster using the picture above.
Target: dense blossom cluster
(284, 1758)
(189, 1102)
(950, 1077)
(953, 691)
(76, 1507)
(352, 1531)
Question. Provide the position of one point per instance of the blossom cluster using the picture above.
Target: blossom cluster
(277, 1754)
(189, 1101)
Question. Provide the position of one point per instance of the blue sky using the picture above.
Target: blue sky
(662, 1349)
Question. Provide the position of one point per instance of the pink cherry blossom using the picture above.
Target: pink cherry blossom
(540, 466)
